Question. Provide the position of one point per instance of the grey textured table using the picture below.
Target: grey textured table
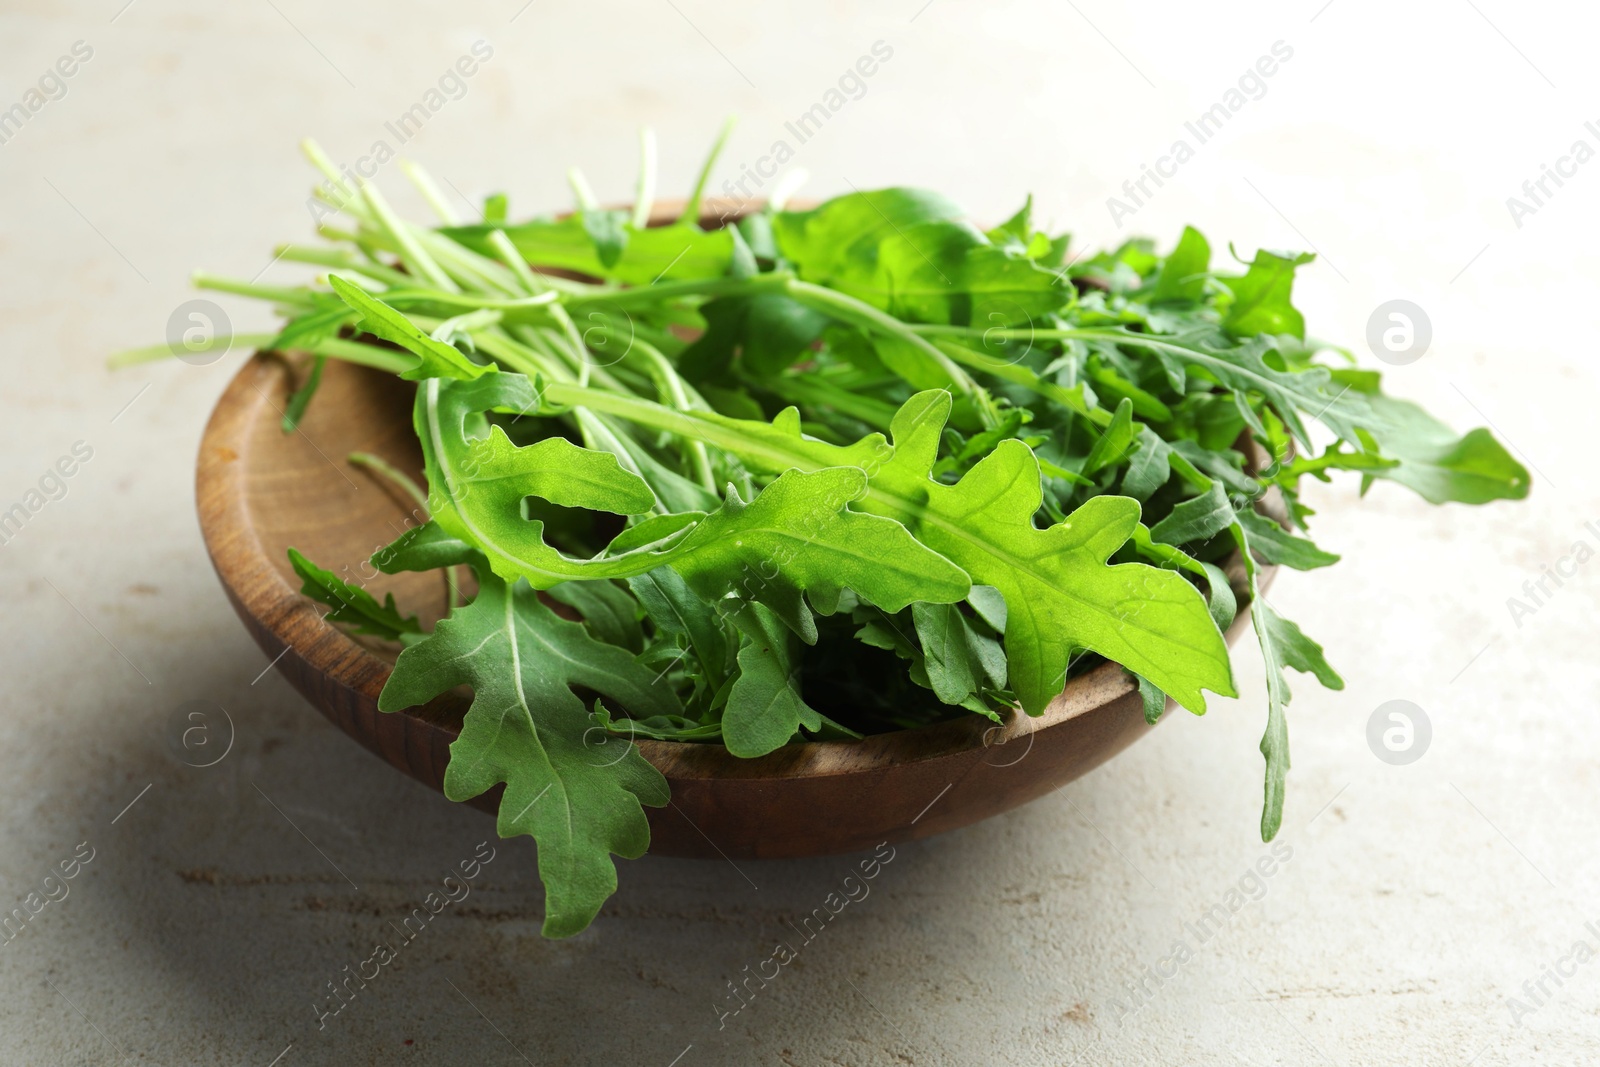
(1410, 902)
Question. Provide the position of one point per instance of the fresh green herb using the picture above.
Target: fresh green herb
(818, 473)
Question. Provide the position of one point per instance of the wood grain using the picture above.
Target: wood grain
(261, 492)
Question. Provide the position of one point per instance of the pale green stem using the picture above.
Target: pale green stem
(691, 210)
(674, 391)
(274, 293)
(430, 191)
(381, 467)
(645, 195)
(513, 259)
(342, 260)
(580, 190)
(411, 252)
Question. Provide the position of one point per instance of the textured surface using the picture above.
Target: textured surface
(1417, 898)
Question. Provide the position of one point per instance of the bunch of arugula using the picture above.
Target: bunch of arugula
(956, 466)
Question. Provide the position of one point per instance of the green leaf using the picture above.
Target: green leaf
(1283, 645)
(312, 326)
(764, 707)
(608, 611)
(1274, 544)
(1060, 593)
(1018, 229)
(1220, 601)
(907, 252)
(1261, 298)
(1183, 273)
(1439, 466)
(1115, 441)
(1197, 519)
(608, 230)
(566, 784)
(798, 535)
(423, 548)
(1154, 700)
(300, 399)
(677, 610)
(658, 253)
(1244, 368)
(1149, 467)
(352, 605)
(769, 330)
(961, 662)
(435, 359)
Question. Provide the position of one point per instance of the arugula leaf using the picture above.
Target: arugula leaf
(639, 255)
(300, 399)
(764, 708)
(352, 605)
(1282, 645)
(608, 611)
(676, 610)
(907, 252)
(1244, 369)
(1183, 274)
(609, 232)
(1261, 298)
(960, 661)
(768, 330)
(1274, 544)
(1439, 466)
(1197, 519)
(526, 728)
(434, 358)
(1060, 593)
(799, 528)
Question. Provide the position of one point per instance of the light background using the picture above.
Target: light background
(1418, 898)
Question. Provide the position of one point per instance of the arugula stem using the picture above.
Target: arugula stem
(132, 357)
(649, 295)
(384, 469)
(430, 191)
(411, 252)
(275, 294)
(675, 392)
(581, 191)
(1017, 374)
(691, 209)
(340, 260)
(812, 389)
(519, 267)
(645, 195)
(849, 309)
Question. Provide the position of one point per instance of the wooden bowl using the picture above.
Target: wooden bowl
(260, 492)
